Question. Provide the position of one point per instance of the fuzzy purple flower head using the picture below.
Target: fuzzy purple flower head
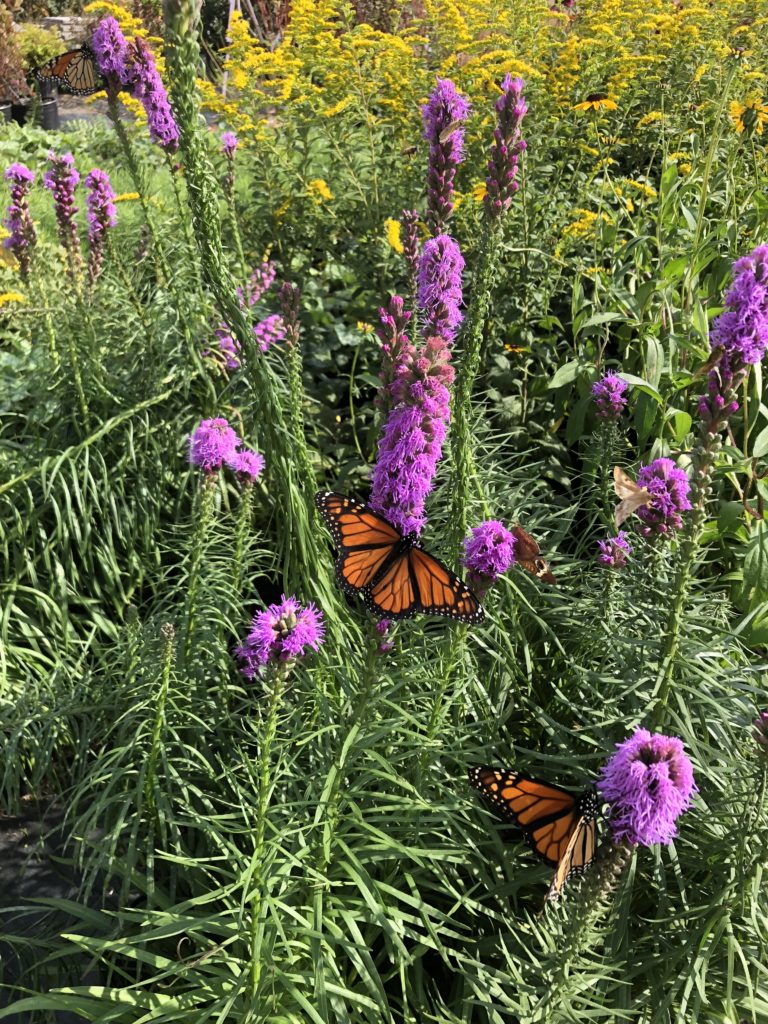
(102, 215)
(111, 51)
(614, 551)
(269, 331)
(443, 115)
(439, 286)
(212, 444)
(670, 488)
(248, 465)
(22, 235)
(282, 633)
(228, 144)
(609, 397)
(489, 552)
(147, 87)
(648, 783)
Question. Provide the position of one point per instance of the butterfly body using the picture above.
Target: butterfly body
(528, 554)
(390, 571)
(559, 826)
(74, 71)
(632, 495)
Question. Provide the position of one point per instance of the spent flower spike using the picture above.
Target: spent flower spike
(609, 397)
(284, 632)
(670, 489)
(648, 783)
(614, 550)
(508, 145)
(102, 215)
(443, 115)
(212, 444)
(22, 236)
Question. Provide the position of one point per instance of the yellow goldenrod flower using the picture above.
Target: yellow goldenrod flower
(338, 107)
(597, 101)
(479, 191)
(392, 228)
(364, 328)
(126, 197)
(647, 190)
(319, 190)
(586, 226)
(749, 116)
(684, 168)
(7, 297)
(589, 150)
(651, 118)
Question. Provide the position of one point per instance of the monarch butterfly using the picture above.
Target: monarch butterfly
(74, 71)
(632, 495)
(392, 574)
(560, 827)
(528, 554)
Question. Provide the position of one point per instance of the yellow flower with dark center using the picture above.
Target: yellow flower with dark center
(597, 101)
(749, 116)
(392, 228)
(318, 189)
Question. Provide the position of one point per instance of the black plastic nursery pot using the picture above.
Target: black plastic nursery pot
(20, 111)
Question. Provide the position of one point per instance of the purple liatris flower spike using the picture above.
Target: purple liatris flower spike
(410, 221)
(111, 52)
(269, 331)
(670, 488)
(398, 355)
(228, 346)
(228, 144)
(22, 235)
(62, 180)
(488, 553)
(260, 281)
(609, 397)
(147, 87)
(102, 215)
(212, 444)
(439, 286)
(614, 551)
(443, 115)
(648, 783)
(501, 183)
(248, 465)
(282, 633)
(740, 333)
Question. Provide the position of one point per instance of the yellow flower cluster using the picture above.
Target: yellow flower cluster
(7, 297)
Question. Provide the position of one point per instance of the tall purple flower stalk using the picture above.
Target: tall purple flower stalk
(439, 291)
(23, 237)
(111, 52)
(398, 354)
(102, 215)
(410, 222)
(648, 783)
(443, 115)
(613, 551)
(670, 488)
(147, 87)
(62, 180)
(284, 632)
(508, 144)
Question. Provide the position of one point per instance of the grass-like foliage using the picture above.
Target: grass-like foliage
(264, 802)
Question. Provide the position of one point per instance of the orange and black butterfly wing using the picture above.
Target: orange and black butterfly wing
(393, 593)
(440, 591)
(363, 539)
(528, 554)
(579, 854)
(74, 71)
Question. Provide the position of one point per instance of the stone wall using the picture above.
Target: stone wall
(73, 30)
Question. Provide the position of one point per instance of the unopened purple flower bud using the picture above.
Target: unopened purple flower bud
(22, 236)
(614, 551)
(62, 181)
(609, 396)
(102, 215)
(501, 183)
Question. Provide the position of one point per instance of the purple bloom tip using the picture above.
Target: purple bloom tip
(614, 551)
(212, 444)
(19, 174)
(228, 144)
(670, 488)
(609, 395)
(248, 464)
(284, 632)
(648, 783)
(490, 551)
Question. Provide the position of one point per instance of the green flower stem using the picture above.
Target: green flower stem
(202, 529)
(462, 441)
(236, 233)
(50, 334)
(276, 685)
(188, 239)
(456, 653)
(242, 529)
(604, 471)
(168, 635)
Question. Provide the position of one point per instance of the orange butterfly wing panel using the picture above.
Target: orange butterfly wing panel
(364, 540)
(393, 595)
(441, 592)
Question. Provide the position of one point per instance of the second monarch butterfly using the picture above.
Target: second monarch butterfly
(560, 827)
(74, 71)
(393, 575)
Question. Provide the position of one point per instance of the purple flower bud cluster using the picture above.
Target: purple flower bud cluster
(609, 397)
(488, 553)
(443, 114)
(260, 281)
(741, 334)
(412, 440)
(410, 222)
(269, 331)
(132, 67)
(614, 550)
(501, 183)
(22, 235)
(382, 628)
(648, 783)
(670, 488)
(215, 444)
(289, 298)
(62, 180)
(102, 215)
(439, 291)
(398, 354)
(284, 632)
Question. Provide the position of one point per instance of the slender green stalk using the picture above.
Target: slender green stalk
(189, 241)
(462, 440)
(168, 633)
(242, 529)
(456, 652)
(202, 529)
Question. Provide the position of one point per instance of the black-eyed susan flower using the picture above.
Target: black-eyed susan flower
(597, 101)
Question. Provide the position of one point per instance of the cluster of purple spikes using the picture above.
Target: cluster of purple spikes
(132, 67)
(22, 236)
(267, 332)
(102, 215)
(62, 180)
(215, 444)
